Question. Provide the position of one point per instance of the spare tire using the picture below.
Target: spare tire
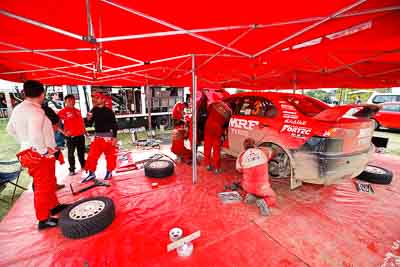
(159, 168)
(376, 175)
(87, 217)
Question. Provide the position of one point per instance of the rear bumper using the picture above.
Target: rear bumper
(324, 168)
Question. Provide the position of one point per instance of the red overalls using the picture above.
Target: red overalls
(98, 146)
(254, 164)
(178, 143)
(43, 171)
(218, 116)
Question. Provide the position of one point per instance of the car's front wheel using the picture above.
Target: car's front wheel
(279, 164)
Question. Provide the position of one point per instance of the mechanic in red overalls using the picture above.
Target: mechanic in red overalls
(34, 132)
(178, 112)
(217, 122)
(105, 139)
(74, 131)
(179, 135)
(253, 163)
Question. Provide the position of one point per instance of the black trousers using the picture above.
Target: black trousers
(78, 143)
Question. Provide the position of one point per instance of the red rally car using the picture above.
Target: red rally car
(311, 141)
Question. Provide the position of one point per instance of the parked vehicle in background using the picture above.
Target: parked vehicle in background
(379, 98)
(310, 141)
(388, 116)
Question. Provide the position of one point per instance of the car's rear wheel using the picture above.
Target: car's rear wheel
(376, 175)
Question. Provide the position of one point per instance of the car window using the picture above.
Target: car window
(253, 106)
(391, 108)
(383, 98)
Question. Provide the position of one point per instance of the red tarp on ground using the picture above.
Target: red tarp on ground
(261, 45)
(312, 226)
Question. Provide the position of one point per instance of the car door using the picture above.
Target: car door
(252, 117)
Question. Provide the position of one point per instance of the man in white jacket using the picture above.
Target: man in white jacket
(33, 131)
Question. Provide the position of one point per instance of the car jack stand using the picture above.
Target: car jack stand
(94, 184)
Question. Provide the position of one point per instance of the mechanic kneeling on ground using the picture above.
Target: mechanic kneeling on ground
(253, 163)
(179, 135)
(178, 112)
(34, 132)
(217, 121)
(105, 139)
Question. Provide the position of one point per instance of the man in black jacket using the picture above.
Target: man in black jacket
(105, 139)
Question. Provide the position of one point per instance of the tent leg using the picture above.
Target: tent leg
(194, 121)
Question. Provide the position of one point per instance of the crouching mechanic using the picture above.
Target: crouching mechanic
(34, 132)
(179, 135)
(105, 139)
(178, 112)
(217, 121)
(253, 163)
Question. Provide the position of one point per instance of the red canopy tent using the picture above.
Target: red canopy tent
(257, 44)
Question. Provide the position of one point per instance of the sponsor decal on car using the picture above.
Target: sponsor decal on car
(289, 112)
(287, 107)
(296, 130)
(297, 122)
(290, 116)
(242, 123)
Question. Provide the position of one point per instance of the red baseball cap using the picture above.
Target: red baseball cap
(99, 95)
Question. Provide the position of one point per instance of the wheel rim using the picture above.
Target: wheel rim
(273, 168)
(159, 164)
(376, 170)
(87, 210)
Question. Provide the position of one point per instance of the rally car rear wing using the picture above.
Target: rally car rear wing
(335, 113)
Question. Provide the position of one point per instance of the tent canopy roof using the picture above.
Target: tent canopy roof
(256, 44)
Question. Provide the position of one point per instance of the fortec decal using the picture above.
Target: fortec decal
(296, 130)
(242, 123)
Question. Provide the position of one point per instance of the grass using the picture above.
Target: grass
(8, 149)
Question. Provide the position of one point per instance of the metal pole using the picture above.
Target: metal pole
(194, 121)
(148, 95)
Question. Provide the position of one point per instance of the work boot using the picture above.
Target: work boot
(250, 199)
(50, 222)
(209, 168)
(262, 206)
(108, 175)
(90, 177)
(58, 208)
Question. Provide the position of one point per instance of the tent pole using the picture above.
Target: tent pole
(294, 83)
(194, 121)
(148, 96)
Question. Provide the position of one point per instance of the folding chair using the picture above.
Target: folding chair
(9, 176)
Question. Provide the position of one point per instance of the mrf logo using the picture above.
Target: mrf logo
(242, 124)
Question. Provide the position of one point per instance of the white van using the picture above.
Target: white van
(379, 98)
